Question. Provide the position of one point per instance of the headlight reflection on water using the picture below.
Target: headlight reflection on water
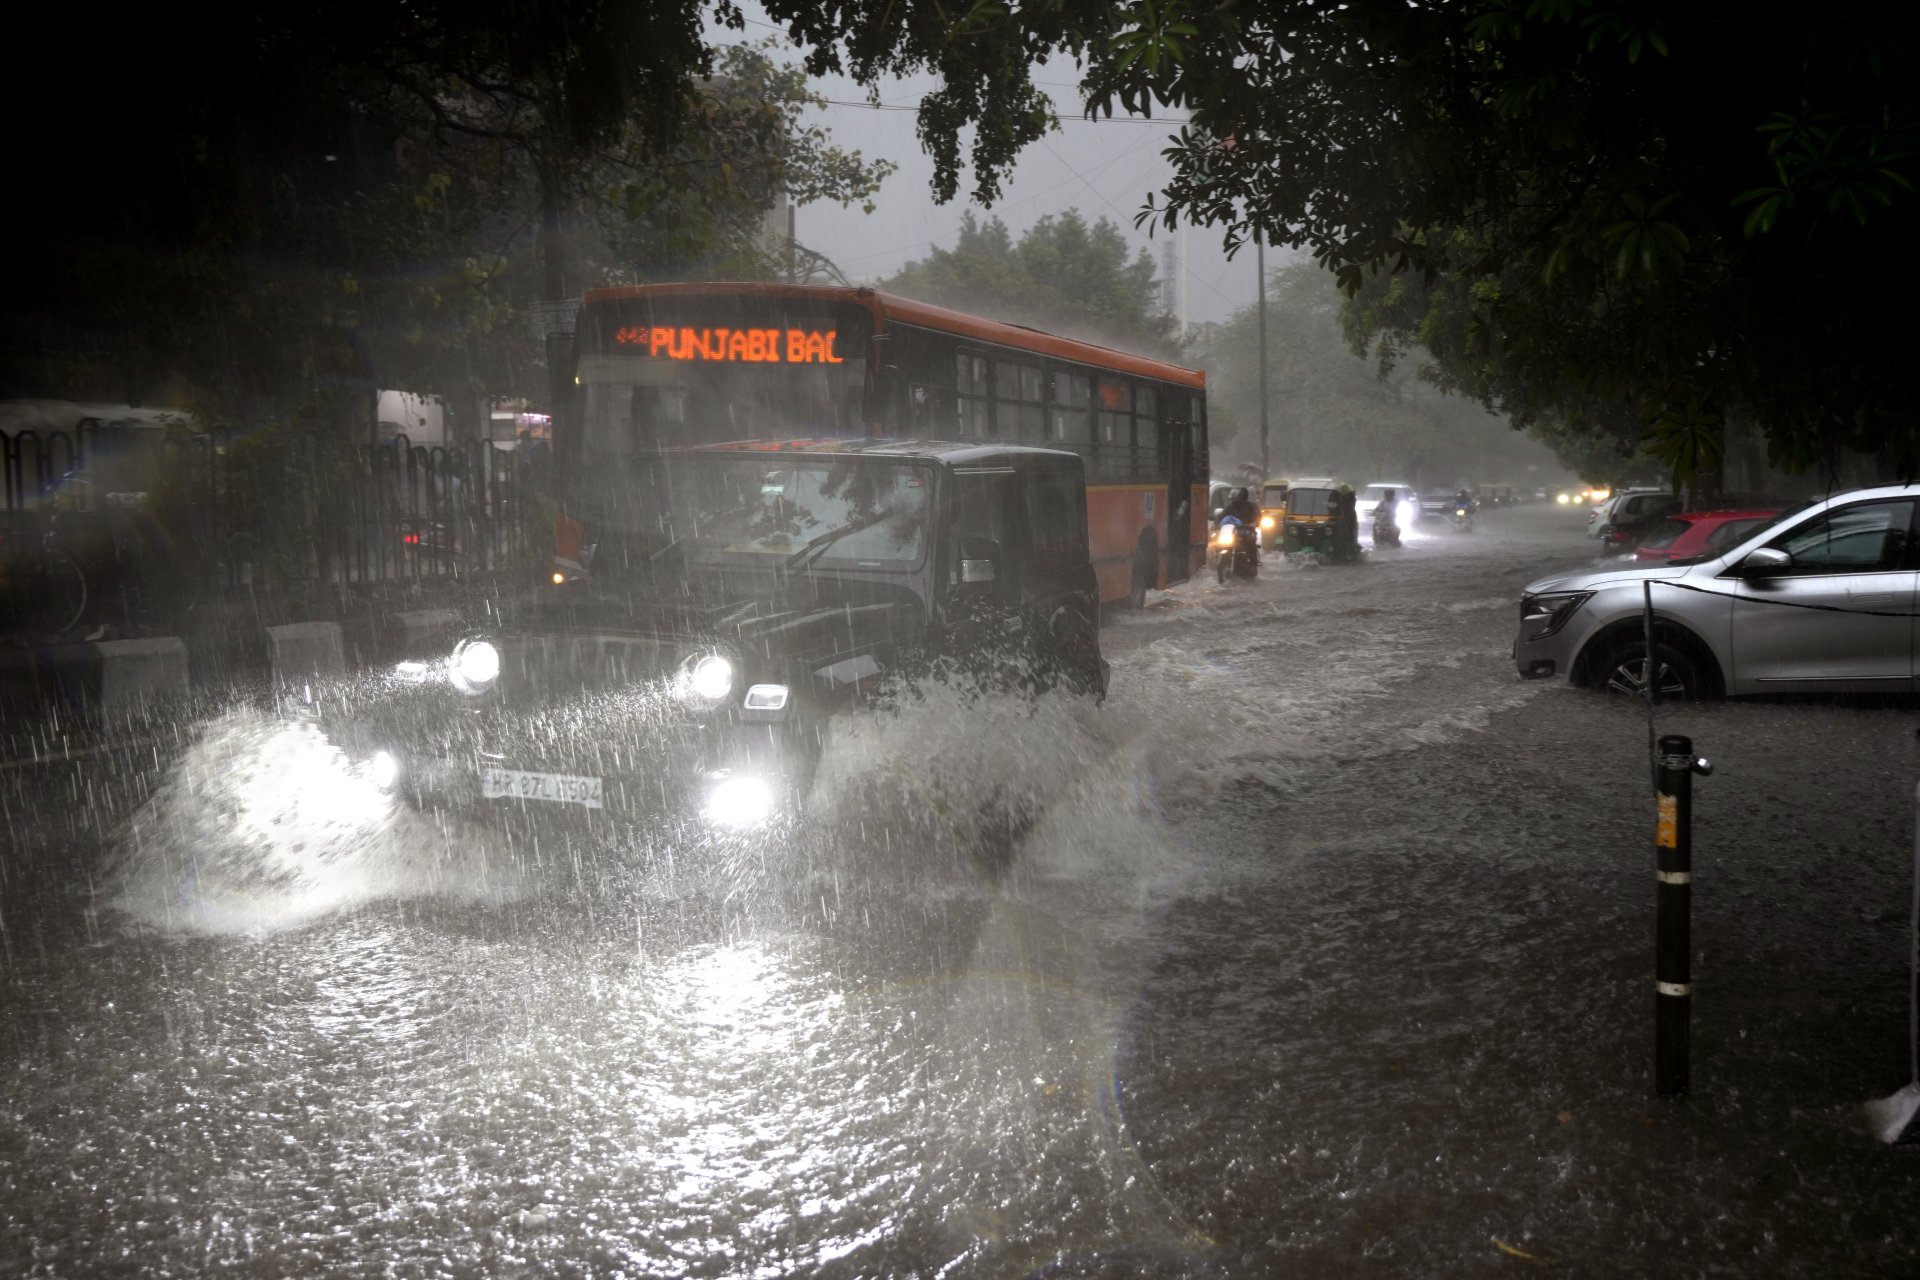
(265, 824)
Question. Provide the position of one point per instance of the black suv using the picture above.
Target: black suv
(722, 604)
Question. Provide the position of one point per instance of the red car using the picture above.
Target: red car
(1698, 533)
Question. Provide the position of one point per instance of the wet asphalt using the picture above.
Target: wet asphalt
(1323, 948)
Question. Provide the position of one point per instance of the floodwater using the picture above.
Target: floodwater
(1323, 948)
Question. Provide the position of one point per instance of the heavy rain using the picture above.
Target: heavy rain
(774, 686)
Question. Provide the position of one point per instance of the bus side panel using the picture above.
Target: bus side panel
(1115, 516)
(1198, 518)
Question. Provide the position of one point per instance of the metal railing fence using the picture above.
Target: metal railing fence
(151, 522)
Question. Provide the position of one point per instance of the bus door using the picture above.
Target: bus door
(1176, 447)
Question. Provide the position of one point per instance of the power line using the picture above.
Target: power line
(1058, 119)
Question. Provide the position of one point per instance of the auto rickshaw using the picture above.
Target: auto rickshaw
(1311, 508)
(1273, 511)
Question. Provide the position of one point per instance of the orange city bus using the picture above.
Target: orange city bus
(658, 366)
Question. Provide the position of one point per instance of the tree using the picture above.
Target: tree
(1329, 410)
(1065, 276)
(317, 201)
(1675, 214)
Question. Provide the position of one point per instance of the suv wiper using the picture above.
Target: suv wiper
(817, 546)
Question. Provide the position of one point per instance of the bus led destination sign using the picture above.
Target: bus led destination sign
(746, 346)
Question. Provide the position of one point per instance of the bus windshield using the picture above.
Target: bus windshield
(754, 508)
(667, 371)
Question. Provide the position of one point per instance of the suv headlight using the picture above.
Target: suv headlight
(1548, 612)
(708, 677)
(475, 665)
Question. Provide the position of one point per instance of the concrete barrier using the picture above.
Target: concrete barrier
(300, 651)
(139, 673)
(423, 632)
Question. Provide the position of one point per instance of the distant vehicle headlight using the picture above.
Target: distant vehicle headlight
(475, 665)
(1564, 499)
(1266, 522)
(383, 770)
(711, 677)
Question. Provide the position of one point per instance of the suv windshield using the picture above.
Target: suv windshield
(848, 512)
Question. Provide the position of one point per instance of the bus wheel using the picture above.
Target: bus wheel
(1146, 560)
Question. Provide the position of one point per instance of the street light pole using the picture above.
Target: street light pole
(1260, 265)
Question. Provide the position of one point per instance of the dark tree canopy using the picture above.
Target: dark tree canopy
(1643, 213)
(1064, 275)
(1636, 218)
(273, 213)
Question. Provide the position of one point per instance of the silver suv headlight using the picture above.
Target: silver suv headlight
(1548, 612)
(475, 665)
(708, 677)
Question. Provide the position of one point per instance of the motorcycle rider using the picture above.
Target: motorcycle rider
(1243, 512)
(1386, 528)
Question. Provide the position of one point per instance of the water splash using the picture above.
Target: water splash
(263, 824)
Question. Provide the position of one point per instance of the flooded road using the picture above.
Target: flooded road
(1324, 948)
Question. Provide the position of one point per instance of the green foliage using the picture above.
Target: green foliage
(1640, 204)
(1065, 275)
(1332, 410)
(695, 209)
(319, 202)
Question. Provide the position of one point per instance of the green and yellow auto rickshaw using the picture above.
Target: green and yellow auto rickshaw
(1311, 509)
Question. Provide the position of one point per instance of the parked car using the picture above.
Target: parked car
(693, 662)
(1598, 507)
(1629, 515)
(1821, 600)
(1687, 534)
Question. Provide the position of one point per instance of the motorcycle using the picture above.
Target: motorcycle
(1386, 530)
(1236, 549)
(1463, 519)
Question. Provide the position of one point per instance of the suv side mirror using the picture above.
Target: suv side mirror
(1763, 562)
(977, 557)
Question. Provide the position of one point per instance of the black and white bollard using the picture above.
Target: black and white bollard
(1675, 764)
(1896, 1117)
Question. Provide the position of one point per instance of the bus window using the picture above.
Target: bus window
(971, 380)
(1146, 432)
(1016, 389)
(1071, 403)
(1113, 451)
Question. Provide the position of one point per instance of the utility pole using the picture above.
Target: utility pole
(1179, 279)
(1260, 265)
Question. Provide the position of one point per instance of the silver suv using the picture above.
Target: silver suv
(1819, 600)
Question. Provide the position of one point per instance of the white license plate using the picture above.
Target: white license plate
(556, 788)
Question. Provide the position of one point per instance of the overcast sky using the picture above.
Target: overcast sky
(1104, 169)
